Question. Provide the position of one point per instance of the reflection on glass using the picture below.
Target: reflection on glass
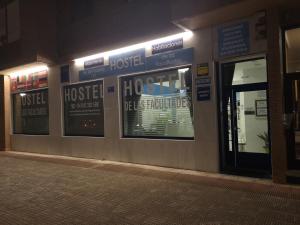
(292, 45)
(158, 104)
(31, 112)
(252, 121)
(229, 125)
(296, 107)
(249, 72)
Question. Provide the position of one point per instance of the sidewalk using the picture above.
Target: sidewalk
(41, 189)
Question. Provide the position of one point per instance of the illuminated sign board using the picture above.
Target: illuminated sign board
(29, 82)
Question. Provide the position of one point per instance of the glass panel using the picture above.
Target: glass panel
(292, 48)
(30, 112)
(229, 125)
(252, 121)
(248, 72)
(83, 109)
(158, 104)
(296, 112)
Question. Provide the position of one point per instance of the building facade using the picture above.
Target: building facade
(182, 84)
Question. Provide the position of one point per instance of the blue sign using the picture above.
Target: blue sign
(94, 73)
(234, 40)
(203, 88)
(129, 62)
(170, 59)
(167, 46)
(94, 63)
(135, 61)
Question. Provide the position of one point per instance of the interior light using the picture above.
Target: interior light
(183, 70)
(185, 35)
(28, 70)
(22, 94)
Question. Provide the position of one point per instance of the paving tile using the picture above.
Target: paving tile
(46, 192)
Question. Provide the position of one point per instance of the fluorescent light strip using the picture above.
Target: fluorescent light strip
(29, 70)
(185, 35)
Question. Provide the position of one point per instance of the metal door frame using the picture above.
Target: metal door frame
(225, 167)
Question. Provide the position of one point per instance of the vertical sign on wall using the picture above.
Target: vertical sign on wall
(203, 88)
(234, 39)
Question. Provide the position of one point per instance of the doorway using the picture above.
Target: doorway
(291, 64)
(244, 118)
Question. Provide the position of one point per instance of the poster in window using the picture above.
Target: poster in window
(83, 109)
(158, 105)
(31, 112)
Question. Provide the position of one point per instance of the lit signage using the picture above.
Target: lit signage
(29, 82)
(135, 61)
(128, 62)
(94, 63)
(167, 46)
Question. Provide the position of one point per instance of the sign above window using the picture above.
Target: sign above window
(30, 81)
(94, 63)
(234, 39)
(136, 61)
(167, 46)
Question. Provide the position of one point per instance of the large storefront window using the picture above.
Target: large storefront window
(158, 105)
(83, 109)
(31, 112)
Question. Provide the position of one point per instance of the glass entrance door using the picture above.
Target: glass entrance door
(244, 117)
(291, 65)
(251, 128)
(292, 112)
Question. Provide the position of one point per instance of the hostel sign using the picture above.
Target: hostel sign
(35, 104)
(177, 94)
(118, 64)
(31, 112)
(128, 62)
(136, 61)
(83, 109)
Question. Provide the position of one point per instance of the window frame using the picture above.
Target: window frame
(121, 111)
(13, 113)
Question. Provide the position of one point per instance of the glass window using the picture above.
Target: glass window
(158, 105)
(249, 72)
(31, 112)
(292, 49)
(83, 109)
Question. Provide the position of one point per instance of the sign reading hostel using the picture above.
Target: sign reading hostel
(135, 61)
(129, 62)
(83, 109)
(31, 112)
(234, 40)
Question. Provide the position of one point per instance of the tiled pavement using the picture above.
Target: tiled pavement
(47, 191)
